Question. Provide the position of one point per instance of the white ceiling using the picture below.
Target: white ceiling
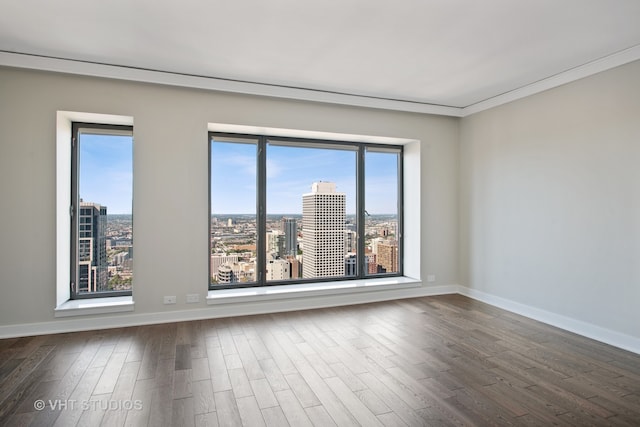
(452, 53)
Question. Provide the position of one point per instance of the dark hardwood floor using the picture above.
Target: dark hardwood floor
(445, 360)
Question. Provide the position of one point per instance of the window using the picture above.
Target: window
(289, 210)
(234, 219)
(101, 210)
(382, 210)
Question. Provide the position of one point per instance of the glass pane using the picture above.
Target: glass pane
(381, 212)
(311, 203)
(233, 211)
(105, 222)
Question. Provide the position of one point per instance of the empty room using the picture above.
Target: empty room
(357, 213)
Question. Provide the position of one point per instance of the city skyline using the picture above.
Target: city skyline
(322, 242)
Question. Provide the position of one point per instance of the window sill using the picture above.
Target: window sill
(81, 307)
(278, 292)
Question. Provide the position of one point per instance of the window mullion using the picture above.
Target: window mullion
(261, 201)
(360, 212)
(400, 216)
(74, 209)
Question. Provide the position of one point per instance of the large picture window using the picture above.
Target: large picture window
(101, 210)
(287, 210)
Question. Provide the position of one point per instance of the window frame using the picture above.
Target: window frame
(262, 141)
(77, 129)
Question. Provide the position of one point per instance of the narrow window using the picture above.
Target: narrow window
(382, 208)
(101, 212)
(233, 214)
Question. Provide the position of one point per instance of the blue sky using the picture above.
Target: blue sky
(105, 168)
(290, 173)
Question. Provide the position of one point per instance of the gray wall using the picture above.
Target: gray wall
(535, 202)
(170, 180)
(550, 201)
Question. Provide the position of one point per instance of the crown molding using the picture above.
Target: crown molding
(594, 67)
(45, 63)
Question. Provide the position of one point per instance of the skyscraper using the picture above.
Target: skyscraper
(323, 215)
(92, 248)
(290, 230)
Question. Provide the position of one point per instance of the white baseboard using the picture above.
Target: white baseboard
(119, 320)
(607, 336)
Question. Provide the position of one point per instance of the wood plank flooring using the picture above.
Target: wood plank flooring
(445, 360)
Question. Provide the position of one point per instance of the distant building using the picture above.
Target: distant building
(225, 274)
(245, 271)
(374, 244)
(350, 241)
(323, 215)
(290, 230)
(235, 272)
(350, 264)
(275, 242)
(278, 269)
(92, 248)
(217, 260)
(296, 266)
(388, 256)
(120, 258)
(371, 265)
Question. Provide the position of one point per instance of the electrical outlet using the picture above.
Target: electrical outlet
(170, 299)
(193, 298)
(431, 278)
